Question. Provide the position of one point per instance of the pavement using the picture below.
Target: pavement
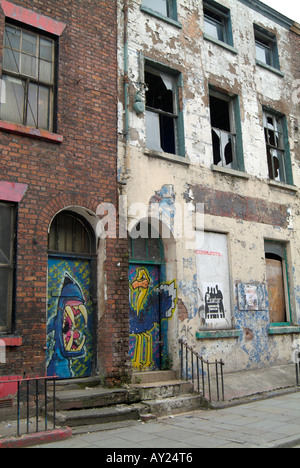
(268, 423)
(261, 409)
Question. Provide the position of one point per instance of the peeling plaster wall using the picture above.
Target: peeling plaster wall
(247, 209)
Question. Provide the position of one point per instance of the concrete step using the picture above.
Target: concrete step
(172, 406)
(94, 416)
(153, 377)
(161, 390)
(95, 397)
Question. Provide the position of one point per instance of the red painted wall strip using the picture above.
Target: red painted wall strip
(9, 191)
(31, 18)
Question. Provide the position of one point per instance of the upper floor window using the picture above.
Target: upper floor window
(217, 22)
(278, 153)
(28, 72)
(163, 118)
(166, 8)
(226, 131)
(266, 48)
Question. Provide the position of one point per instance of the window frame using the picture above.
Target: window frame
(177, 115)
(6, 328)
(27, 80)
(268, 42)
(171, 6)
(284, 149)
(235, 129)
(210, 9)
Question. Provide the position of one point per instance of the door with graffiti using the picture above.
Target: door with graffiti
(70, 318)
(152, 305)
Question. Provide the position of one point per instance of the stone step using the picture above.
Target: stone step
(94, 416)
(161, 390)
(153, 377)
(95, 397)
(172, 406)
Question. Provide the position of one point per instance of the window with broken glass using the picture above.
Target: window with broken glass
(161, 111)
(7, 236)
(27, 78)
(274, 135)
(164, 7)
(224, 136)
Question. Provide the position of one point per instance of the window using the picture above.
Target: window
(277, 282)
(28, 78)
(147, 248)
(266, 48)
(278, 153)
(163, 122)
(70, 234)
(7, 236)
(226, 131)
(217, 22)
(164, 7)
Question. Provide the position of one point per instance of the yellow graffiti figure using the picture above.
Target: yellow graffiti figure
(141, 283)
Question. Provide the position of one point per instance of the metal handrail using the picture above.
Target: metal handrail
(190, 359)
(37, 397)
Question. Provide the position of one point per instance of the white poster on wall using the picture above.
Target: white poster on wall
(213, 280)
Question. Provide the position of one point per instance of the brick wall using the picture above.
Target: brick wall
(80, 171)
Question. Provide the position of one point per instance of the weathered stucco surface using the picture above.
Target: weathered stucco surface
(247, 207)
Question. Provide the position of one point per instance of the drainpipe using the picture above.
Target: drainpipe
(126, 96)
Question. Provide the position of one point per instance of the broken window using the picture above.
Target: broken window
(164, 7)
(161, 111)
(274, 135)
(7, 237)
(223, 130)
(266, 47)
(217, 23)
(277, 282)
(28, 78)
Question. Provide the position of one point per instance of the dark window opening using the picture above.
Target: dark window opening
(7, 241)
(222, 136)
(161, 113)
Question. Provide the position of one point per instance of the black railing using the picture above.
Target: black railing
(297, 365)
(32, 396)
(207, 377)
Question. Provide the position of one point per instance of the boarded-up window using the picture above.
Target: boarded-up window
(277, 282)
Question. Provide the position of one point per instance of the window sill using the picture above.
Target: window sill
(158, 15)
(217, 334)
(283, 330)
(220, 43)
(12, 341)
(30, 132)
(282, 185)
(269, 68)
(167, 157)
(231, 172)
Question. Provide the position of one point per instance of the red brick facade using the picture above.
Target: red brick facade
(74, 166)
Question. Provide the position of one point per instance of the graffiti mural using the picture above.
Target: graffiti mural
(152, 305)
(69, 327)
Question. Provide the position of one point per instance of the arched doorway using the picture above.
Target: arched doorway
(152, 302)
(70, 317)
